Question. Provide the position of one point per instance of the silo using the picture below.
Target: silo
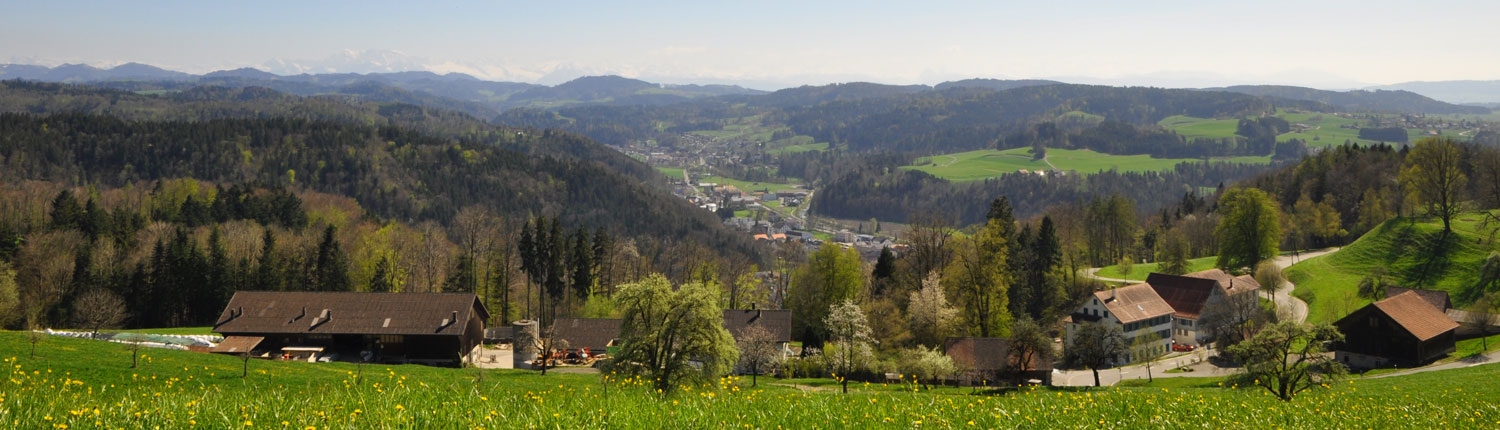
(527, 343)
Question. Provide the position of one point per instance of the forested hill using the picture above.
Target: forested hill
(1399, 101)
(393, 171)
(208, 103)
(968, 118)
(913, 119)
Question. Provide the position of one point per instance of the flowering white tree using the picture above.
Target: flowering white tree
(848, 349)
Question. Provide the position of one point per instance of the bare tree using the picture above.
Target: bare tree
(34, 336)
(476, 230)
(759, 351)
(430, 252)
(1478, 314)
(45, 271)
(135, 352)
(1146, 349)
(99, 308)
(928, 236)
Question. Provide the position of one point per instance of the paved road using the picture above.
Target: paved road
(1198, 360)
(1493, 357)
(1289, 305)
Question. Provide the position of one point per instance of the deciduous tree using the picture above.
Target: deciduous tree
(849, 341)
(932, 318)
(99, 308)
(832, 275)
(760, 351)
(664, 330)
(1250, 229)
(1434, 178)
(1288, 358)
(1095, 346)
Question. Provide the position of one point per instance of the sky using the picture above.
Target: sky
(775, 44)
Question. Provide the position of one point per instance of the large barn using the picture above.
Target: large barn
(427, 328)
(1402, 330)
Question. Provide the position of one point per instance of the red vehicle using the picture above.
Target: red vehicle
(1182, 348)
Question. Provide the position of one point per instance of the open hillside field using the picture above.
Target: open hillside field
(1138, 272)
(1322, 129)
(76, 383)
(671, 172)
(746, 186)
(1200, 127)
(989, 163)
(795, 144)
(1410, 251)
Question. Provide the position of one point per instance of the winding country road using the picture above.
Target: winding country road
(1292, 306)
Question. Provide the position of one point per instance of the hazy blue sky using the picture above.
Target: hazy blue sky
(773, 43)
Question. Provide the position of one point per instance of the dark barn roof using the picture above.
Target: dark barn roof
(988, 354)
(778, 322)
(591, 333)
(348, 313)
(1185, 294)
(1438, 299)
(978, 353)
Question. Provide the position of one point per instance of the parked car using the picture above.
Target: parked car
(1182, 348)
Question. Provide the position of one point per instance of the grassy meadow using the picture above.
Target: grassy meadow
(76, 383)
(1409, 249)
(747, 186)
(1325, 129)
(674, 173)
(989, 163)
(1138, 272)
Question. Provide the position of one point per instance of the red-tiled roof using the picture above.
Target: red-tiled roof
(1415, 315)
(1133, 303)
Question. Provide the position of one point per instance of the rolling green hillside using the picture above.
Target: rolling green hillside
(989, 163)
(76, 383)
(1409, 249)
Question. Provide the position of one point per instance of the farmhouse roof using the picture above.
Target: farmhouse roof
(978, 353)
(1438, 299)
(1186, 295)
(988, 354)
(1229, 283)
(348, 313)
(1416, 315)
(1133, 303)
(237, 344)
(778, 322)
(591, 333)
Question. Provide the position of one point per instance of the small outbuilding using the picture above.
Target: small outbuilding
(986, 360)
(1401, 330)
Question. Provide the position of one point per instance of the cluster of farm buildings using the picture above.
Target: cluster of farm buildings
(1410, 327)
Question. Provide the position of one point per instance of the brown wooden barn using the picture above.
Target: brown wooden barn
(1400, 330)
(988, 361)
(427, 328)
